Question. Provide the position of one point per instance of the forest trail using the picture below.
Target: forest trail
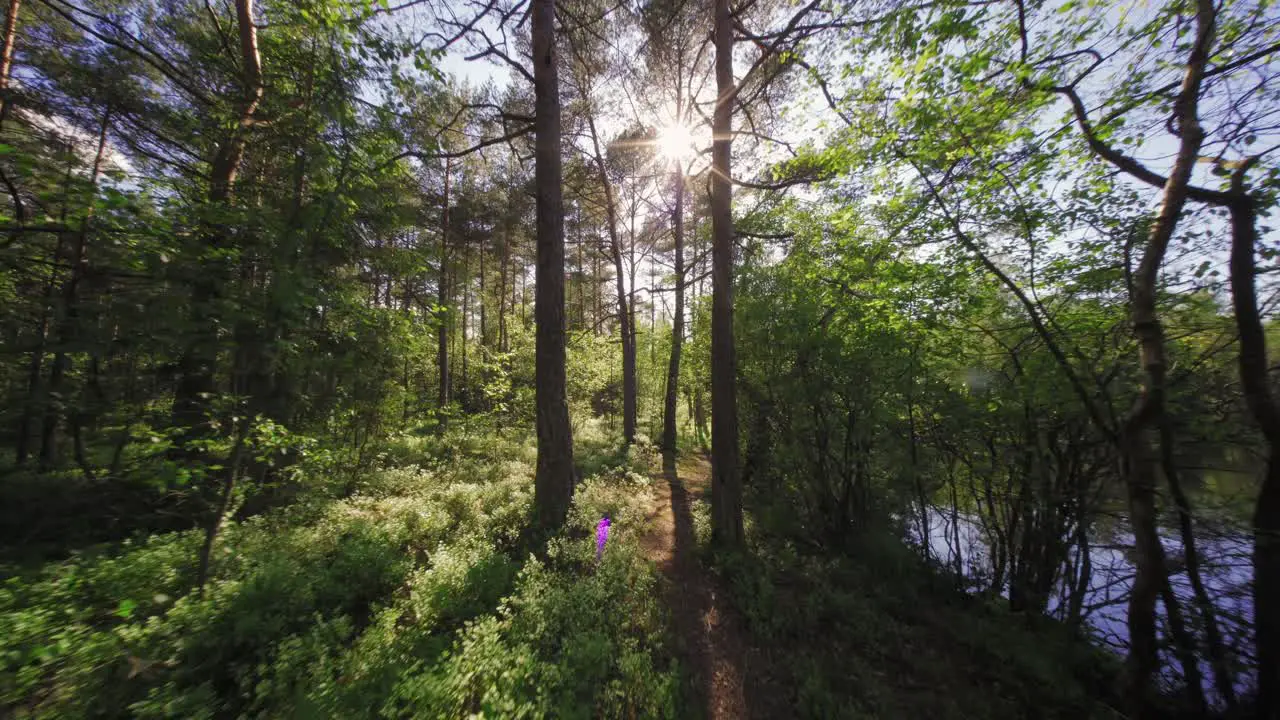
(731, 678)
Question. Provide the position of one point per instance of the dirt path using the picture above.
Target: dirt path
(731, 678)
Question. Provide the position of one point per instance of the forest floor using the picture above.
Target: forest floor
(731, 676)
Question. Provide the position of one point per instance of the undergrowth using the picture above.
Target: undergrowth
(412, 597)
(875, 632)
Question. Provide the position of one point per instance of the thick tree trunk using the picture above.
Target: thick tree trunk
(554, 481)
(197, 365)
(1257, 392)
(6, 68)
(625, 319)
(677, 323)
(726, 488)
(6, 53)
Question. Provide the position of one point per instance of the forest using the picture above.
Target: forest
(639, 359)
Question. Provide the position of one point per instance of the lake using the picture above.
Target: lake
(1224, 546)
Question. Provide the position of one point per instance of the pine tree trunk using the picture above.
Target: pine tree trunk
(555, 477)
(625, 318)
(442, 302)
(6, 67)
(6, 52)
(726, 488)
(502, 289)
(466, 319)
(669, 441)
(197, 366)
(484, 329)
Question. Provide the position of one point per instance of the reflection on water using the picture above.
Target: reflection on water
(1226, 569)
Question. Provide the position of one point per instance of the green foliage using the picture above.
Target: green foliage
(410, 598)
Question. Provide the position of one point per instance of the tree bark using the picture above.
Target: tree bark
(726, 488)
(465, 320)
(1257, 392)
(442, 303)
(1208, 616)
(625, 330)
(37, 398)
(68, 310)
(669, 441)
(581, 278)
(554, 481)
(199, 360)
(6, 53)
(219, 510)
(480, 301)
(1149, 409)
(502, 287)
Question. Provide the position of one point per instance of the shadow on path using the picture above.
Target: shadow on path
(730, 679)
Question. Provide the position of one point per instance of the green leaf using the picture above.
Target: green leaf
(126, 608)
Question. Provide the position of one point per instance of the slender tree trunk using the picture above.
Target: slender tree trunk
(484, 328)
(555, 478)
(726, 488)
(926, 537)
(442, 302)
(1148, 411)
(1222, 677)
(502, 289)
(1184, 648)
(582, 284)
(625, 320)
(1143, 660)
(699, 383)
(596, 292)
(653, 318)
(218, 512)
(68, 309)
(466, 318)
(36, 396)
(677, 323)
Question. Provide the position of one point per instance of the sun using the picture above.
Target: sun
(675, 142)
